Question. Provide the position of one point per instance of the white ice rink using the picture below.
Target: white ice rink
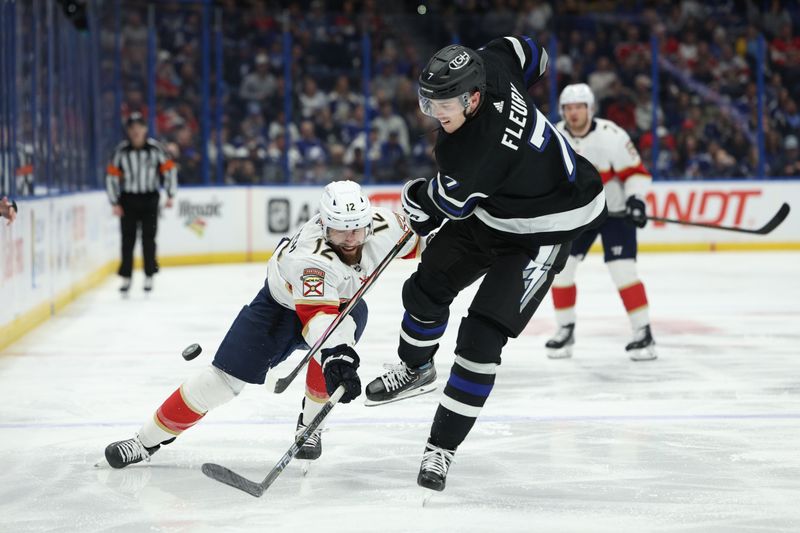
(705, 439)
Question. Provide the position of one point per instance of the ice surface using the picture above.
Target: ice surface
(706, 438)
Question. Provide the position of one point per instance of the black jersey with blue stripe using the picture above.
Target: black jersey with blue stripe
(508, 165)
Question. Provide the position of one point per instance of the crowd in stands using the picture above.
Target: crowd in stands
(706, 108)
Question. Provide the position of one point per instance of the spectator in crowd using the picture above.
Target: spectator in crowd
(789, 164)
(393, 161)
(603, 78)
(312, 99)
(354, 155)
(189, 157)
(241, 168)
(278, 127)
(388, 122)
(258, 85)
(785, 54)
(787, 117)
(644, 104)
(309, 146)
(695, 162)
(280, 159)
(341, 100)
(327, 130)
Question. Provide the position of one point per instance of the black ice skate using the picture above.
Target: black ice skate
(401, 382)
(560, 346)
(435, 463)
(126, 285)
(312, 448)
(643, 347)
(131, 451)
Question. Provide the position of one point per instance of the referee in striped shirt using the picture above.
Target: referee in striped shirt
(137, 170)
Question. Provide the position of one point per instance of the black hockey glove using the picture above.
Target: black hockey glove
(635, 212)
(339, 366)
(421, 222)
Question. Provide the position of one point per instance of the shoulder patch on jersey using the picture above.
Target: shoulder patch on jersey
(499, 106)
(313, 282)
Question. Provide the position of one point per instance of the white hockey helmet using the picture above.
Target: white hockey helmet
(344, 207)
(577, 93)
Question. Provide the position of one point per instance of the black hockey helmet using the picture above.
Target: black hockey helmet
(451, 72)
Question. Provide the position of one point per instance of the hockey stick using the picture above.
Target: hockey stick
(776, 220)
(229, 477)
(284, 382)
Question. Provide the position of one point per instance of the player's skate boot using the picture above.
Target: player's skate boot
(312, 448)
(642, 347)
(560, 346)
(400, 382)
(131, 451)
(148, 284)
(433, 470)
(126, 285)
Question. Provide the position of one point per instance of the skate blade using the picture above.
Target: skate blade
(643, 354)
(559, 353)
(410, 394)
(427, 496)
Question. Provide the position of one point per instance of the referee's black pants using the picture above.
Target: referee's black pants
(139, 210)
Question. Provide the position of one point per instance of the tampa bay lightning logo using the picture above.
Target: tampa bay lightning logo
(460, 61)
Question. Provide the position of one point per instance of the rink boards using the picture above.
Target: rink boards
(62, 245)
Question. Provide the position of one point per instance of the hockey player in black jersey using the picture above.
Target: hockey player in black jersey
(515, 195)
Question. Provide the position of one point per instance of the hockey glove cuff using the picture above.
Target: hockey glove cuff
(421, 222)
(339, 366)
(635, 211)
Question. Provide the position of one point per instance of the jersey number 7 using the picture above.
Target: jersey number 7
(540, 135)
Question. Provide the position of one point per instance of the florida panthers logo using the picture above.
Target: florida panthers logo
(459, 61)
(313, 282)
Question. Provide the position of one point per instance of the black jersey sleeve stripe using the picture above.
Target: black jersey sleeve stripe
(534, 63)
(452, 207)
(532, 57)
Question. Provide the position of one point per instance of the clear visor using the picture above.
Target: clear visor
(448, 106)
(348, 238)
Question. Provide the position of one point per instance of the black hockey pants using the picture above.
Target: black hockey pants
(516, 280)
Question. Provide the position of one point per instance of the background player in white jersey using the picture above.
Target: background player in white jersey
(308, 278)
(610, 150)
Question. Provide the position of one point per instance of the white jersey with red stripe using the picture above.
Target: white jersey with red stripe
(306, 275)
(609, 148)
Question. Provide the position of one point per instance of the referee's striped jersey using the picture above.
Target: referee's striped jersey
(138, 171)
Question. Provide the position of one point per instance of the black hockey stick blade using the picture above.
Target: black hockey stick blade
(767, 228)
(779, 217)
(231, 478)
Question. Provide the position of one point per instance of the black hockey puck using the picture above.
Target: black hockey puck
(191, 351)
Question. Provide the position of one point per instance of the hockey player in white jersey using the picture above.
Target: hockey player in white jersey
(308, 279)
(609, 148)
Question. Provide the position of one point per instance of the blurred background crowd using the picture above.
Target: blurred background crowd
(309, 91)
